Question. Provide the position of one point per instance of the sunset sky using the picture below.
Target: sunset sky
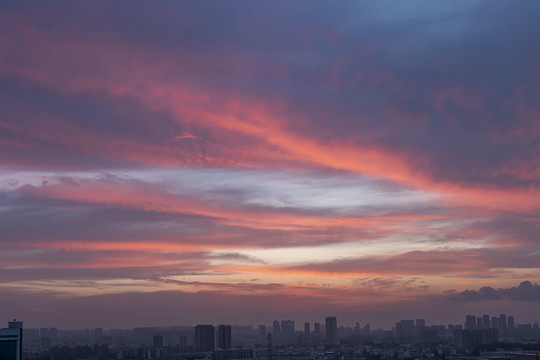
(241, 161)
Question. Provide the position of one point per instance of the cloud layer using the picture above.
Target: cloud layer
(353, 154)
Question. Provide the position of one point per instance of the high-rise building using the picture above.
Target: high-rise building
(287, 327)
(182, 341)
(405, 329)
(103, 351)
(494, 322)
(485, 321)
(97, 334)
(11, 341)
(316, 328)
(331, 330)
(276, 329)
(45, 343)
(50, 332)
(224, 337)
(158, 341)
(470, 322)
(511, 325)
(479, 323)
(420, 326)
(471, 339)
(307, 328)
(205, 338)
(502, 324)
(399, 330)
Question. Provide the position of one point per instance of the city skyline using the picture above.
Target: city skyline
(239, 162)
(294, 325)
(503, 323)
(409, 338)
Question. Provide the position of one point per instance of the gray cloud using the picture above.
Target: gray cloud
(526, 291)
(456, 100)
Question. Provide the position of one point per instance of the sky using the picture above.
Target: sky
(238, 162)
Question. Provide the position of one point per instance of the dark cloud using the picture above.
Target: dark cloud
(458, 100)
(526, 291)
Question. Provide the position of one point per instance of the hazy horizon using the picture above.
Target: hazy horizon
(299, 323)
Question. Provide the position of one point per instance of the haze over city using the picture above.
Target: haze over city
(182, 163)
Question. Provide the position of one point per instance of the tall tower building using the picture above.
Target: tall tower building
(470, 322)
(479, 322)
(316, 328)
(502, 324)
(287, 327)
(276, 329)
(331, 330)
(494, 322)
(224, 337)
(420, 325)
(158, 341)
(485, 320)
(511, 325)
(205, 338)
(407, 328)
(399, 330)
(307, 328)
(11, 341)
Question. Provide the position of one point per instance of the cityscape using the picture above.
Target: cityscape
(270, 180)
(479, 337)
